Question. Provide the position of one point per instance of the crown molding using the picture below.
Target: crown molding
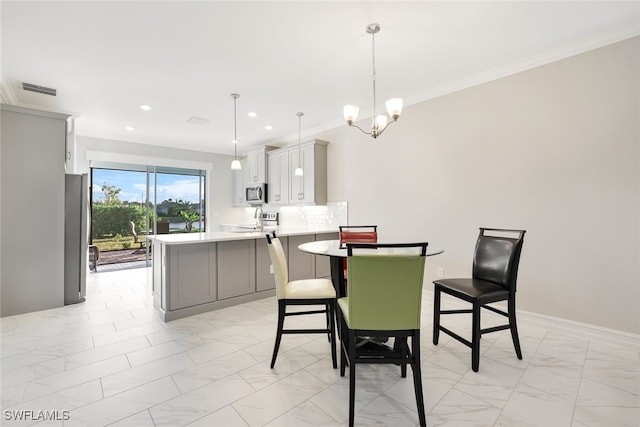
(581, 46)
(575, 48)
(7, 94)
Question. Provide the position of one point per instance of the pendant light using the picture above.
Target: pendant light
(235, 164)
(299, 171)
(394, 105)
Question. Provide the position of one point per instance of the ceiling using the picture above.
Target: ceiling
(184, 59)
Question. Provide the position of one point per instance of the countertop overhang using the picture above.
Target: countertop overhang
(221, 236)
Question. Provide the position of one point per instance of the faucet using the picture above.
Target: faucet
(258, 216)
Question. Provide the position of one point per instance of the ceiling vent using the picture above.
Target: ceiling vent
(197, 120)
(39, 89)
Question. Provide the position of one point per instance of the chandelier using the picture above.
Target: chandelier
(394, 105)
(235, 164)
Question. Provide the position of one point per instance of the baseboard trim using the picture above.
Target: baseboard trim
(599, 333)
(168, 316)
(583, 330)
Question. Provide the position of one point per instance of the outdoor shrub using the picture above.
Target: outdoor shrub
(115, 219)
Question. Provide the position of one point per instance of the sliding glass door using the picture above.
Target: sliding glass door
(130, 202)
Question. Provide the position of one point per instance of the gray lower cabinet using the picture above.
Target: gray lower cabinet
(236, 268)
(323, 266)
(301, 264)
(264, 274)
(191, 269)
(191, 278)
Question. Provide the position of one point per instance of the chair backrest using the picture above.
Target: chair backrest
(358, 234)
(385, 290)
(497, 256)
(279, 262)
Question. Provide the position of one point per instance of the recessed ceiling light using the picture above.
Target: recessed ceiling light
(251, 114)
(145, 107)
(268, 127)
(130, 128)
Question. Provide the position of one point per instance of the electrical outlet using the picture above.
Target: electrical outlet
(271, 269)
(440, 272)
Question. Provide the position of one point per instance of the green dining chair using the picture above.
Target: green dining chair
(385, 296)
(300, 292)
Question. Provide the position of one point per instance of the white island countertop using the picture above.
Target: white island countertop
(221, 236)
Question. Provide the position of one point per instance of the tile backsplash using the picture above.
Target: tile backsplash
(313, 217)
(333, 214)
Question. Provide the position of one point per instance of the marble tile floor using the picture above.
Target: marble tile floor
(111, 361)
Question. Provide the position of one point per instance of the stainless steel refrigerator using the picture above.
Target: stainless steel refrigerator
(76, 237)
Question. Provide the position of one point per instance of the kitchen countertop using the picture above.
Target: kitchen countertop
(221, 236)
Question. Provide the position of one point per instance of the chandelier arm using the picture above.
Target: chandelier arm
(385, 126)
(361, 130)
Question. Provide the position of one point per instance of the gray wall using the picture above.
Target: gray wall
(553, 150)
(32, 147)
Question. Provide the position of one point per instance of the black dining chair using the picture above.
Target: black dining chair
(494, 275)
(385, 295)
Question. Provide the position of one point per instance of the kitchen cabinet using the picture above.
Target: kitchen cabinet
(278, 177)
(206, 271)
(301, 264)
(236, 268)
(257, 165)
(323, 266)
(310, 188)
(192, 270)
(240, 179)
(264, 272)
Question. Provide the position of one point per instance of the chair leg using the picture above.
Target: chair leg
(417, 377)
(404, 355)
(514, 327)
(332, 327)
(281, 311)
(475, 338)
(327, 314)
(352, 377)
(344, 344)
(436, 315)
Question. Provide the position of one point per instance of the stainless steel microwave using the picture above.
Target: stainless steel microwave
(256, 194)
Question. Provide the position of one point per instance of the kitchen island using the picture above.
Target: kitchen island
(199, 272)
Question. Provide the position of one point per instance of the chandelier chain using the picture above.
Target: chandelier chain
(373, 55)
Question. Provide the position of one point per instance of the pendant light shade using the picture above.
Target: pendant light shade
(299, 171)
(235, 164)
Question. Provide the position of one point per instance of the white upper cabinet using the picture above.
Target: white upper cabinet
(240, 179)
(278, 177)
(311, 187)
(257, 165)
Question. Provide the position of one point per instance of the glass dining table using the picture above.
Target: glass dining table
(337, 253)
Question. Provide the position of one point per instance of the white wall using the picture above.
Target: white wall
(553, 150)
(220, 186)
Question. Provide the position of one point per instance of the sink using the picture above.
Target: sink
(250, 228)
(243, 230)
